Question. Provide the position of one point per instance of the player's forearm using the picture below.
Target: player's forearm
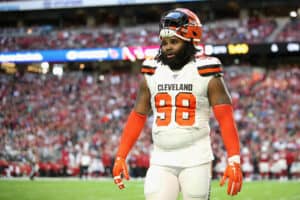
(224, 115)
(131, 132)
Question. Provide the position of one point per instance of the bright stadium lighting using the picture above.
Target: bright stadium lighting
(45, 67)
(101, 77)
(82, 66)
(57, 70)
(293, 14)
(274, 48)
(209, 49)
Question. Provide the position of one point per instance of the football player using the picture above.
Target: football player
(181, 90)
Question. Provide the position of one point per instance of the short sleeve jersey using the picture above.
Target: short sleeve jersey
(181, 110)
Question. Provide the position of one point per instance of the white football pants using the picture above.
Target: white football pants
(165, 183)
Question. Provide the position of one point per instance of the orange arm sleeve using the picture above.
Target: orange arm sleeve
(131, 132)
(224, 115)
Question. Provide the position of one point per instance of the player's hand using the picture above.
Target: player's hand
(235, 178)
(119, 170)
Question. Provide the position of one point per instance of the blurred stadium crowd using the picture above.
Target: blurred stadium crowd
(71, 125)
(248, 30)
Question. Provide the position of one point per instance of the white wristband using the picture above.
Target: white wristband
(234, 159)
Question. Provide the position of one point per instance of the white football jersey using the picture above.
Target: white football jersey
(181, 111)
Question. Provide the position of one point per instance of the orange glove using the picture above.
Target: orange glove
(234, 174)
(119, 170)
(131, 132)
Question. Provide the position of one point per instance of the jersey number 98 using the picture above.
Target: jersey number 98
(185, 108)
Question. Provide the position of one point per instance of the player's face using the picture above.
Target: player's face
(173, 52)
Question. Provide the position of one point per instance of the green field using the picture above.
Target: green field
(105, 190)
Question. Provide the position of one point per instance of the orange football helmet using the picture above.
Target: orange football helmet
(182, 23)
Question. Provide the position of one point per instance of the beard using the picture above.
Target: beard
(181, 58)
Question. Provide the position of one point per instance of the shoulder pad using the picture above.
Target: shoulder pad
(208, 66)
(149, 67)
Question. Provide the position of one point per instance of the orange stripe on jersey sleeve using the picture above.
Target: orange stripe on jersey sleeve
(210, 70)
(148, 70)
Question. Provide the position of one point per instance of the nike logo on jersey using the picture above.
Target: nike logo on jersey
(175, 76)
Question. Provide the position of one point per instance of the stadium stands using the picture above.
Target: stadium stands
(252, 30)
(62, 117)
(290, 32)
